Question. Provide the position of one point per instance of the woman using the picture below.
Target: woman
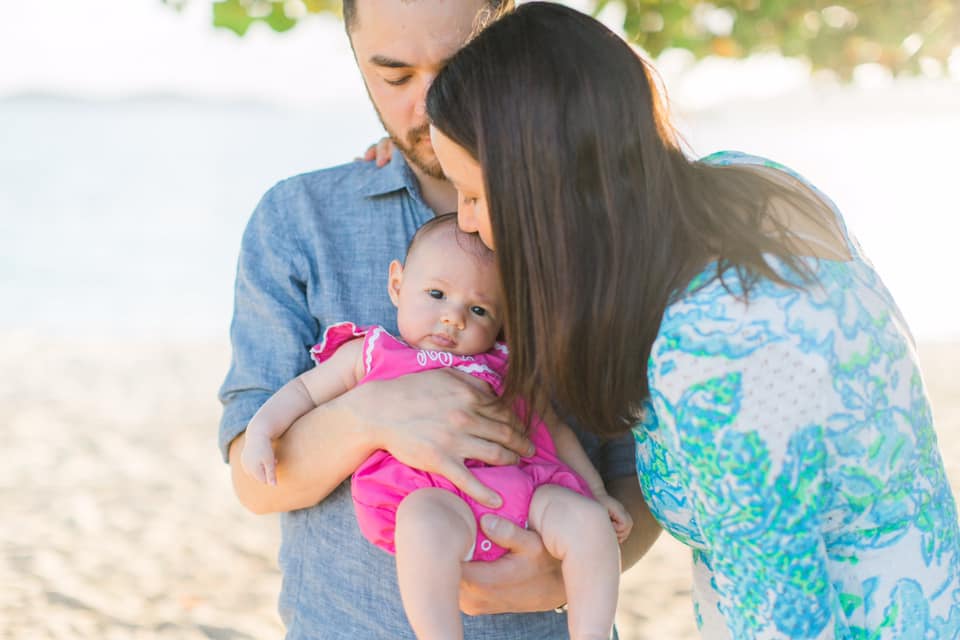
(720, 309)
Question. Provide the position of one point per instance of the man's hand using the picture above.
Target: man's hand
(434, 420)
(528, 578)
(524, 580)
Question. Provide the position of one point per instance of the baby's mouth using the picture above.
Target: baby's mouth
(443, 340)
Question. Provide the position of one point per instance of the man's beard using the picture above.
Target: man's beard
(413, 150)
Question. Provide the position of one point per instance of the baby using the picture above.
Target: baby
(449, 307)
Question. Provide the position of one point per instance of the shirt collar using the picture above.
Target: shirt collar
(394, 176)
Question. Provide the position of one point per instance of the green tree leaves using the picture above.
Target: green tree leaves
(279, 15)
(895, 34)
(901, 36)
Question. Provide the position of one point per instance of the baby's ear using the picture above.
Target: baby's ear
(394, 281)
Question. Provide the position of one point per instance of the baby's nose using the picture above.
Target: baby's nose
(454, 318)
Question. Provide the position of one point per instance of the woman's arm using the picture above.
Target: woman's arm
(746, 443)
(758, 511)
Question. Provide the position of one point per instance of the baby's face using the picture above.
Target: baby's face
(448, 298)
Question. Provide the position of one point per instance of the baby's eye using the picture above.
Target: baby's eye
(435, 293)
(479, 311)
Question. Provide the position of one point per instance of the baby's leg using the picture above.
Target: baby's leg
(435, 531)
(577, 531)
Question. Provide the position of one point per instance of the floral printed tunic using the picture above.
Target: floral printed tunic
(789, 442)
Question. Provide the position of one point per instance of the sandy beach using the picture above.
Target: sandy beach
(119, 521)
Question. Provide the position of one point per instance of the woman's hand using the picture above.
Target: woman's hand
(434, 420)
(524, 580)
(382, 151)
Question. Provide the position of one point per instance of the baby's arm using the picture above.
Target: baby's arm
(572, 453)
(329, 379)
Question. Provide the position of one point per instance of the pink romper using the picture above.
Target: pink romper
(382, 482)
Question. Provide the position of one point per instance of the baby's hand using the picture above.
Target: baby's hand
(619, 518)
(258, 460)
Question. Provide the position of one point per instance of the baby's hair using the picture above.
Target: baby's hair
(469, 242)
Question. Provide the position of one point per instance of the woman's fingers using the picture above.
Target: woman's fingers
(383, 151)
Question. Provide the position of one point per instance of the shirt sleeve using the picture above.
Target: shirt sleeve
(612, 458)
(742, 425)
(272, 327)
(618, 458)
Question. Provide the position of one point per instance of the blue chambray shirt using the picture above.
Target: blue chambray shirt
(316, 251)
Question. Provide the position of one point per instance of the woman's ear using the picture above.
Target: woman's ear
(394, 281)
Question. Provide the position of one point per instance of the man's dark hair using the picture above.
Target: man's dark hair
(495, 8)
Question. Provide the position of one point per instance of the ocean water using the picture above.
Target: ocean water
(123, 218)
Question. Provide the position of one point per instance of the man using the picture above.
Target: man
(316, 251)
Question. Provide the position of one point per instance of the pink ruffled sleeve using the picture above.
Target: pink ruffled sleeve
(333, 337)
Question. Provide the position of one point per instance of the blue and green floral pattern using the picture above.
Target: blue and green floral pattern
(789, 442)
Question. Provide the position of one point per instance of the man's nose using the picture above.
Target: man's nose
(421, 107)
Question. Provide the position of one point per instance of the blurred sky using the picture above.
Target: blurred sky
(116, 48)
(179, 128)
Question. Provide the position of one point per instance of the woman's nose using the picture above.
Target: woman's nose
(466, 220)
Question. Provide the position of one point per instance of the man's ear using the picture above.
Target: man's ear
(394, 281)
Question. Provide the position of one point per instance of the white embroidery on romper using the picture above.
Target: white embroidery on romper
(368, 359)
(443, 357)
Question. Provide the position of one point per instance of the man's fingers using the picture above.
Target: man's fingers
(488, 440)
(490, 453)
(504, 435)
(468, 483)
(508, 535)
(482, 574)
(470, 380)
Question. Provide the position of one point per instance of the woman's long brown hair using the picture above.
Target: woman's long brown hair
(598, 217)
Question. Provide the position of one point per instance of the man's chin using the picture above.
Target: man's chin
(423, 158)
(429, 166)
(434, 171)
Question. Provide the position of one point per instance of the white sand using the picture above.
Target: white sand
(119, 521)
